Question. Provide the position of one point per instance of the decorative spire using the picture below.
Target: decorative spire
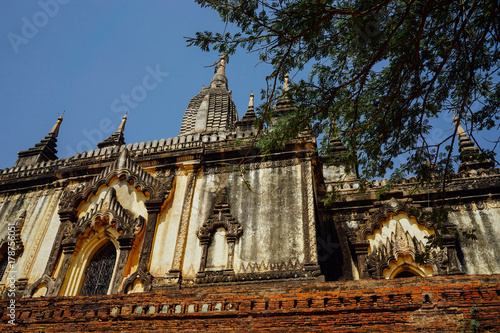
(222, 65)
(250, 110)
(470, 156)
(121, 128)
(117, 138)
(43, 151)
(213, 109)
(284, 104)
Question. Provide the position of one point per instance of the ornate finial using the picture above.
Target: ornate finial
(222, 65)
(220, 79)
(460, 129)
(121, 128)
(250, 103)
(285, 84)
(55, 129)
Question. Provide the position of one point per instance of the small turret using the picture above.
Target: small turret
(117, 138)
(284, 104)
(43, 151)
(247, 122)
(470, 155)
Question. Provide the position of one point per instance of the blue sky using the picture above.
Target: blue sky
(84, 56)
(87, 56)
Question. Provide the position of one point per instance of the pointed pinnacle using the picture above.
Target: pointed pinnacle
(121, 128)
(285, 84)
(55, 129)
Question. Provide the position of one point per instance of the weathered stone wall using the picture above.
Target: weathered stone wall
(479, 256)
(39, 228)
(268, 203)
(437, 304)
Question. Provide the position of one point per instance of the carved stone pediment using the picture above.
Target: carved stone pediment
(123, 168)
(107, 211)
(391, 254)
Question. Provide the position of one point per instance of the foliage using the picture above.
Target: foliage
(474, 325)
(379, 74)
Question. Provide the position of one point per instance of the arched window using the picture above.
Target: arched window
(405, 274)
(4, 259)
(99, 272)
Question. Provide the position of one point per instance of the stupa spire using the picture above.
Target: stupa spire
(43, 151)
(213, 109)
(55, 129)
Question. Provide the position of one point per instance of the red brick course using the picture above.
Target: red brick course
(437, 304)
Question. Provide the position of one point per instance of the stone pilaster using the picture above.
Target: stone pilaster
(180, 244)
(154, 208)
(308, 216)
(361, 252)
(126, 242)
(68, 250)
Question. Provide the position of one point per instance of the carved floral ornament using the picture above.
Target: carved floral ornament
(400, 249)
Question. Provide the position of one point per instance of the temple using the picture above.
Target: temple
(202, 231)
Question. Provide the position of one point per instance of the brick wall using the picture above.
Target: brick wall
(437, 304)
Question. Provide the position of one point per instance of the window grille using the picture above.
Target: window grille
(99, 272)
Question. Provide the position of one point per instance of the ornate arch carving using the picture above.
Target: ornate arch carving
(401, 250)
(106, 212)
(221, 217)
(109, 210)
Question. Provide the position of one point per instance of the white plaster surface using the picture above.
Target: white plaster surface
(481, 256)
(270, 213)
(166, 231)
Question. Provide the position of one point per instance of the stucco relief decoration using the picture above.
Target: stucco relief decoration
(394, 240)
(388, 243)
(123, 168)
(400, 249)
(220, 218)
(107, 211)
